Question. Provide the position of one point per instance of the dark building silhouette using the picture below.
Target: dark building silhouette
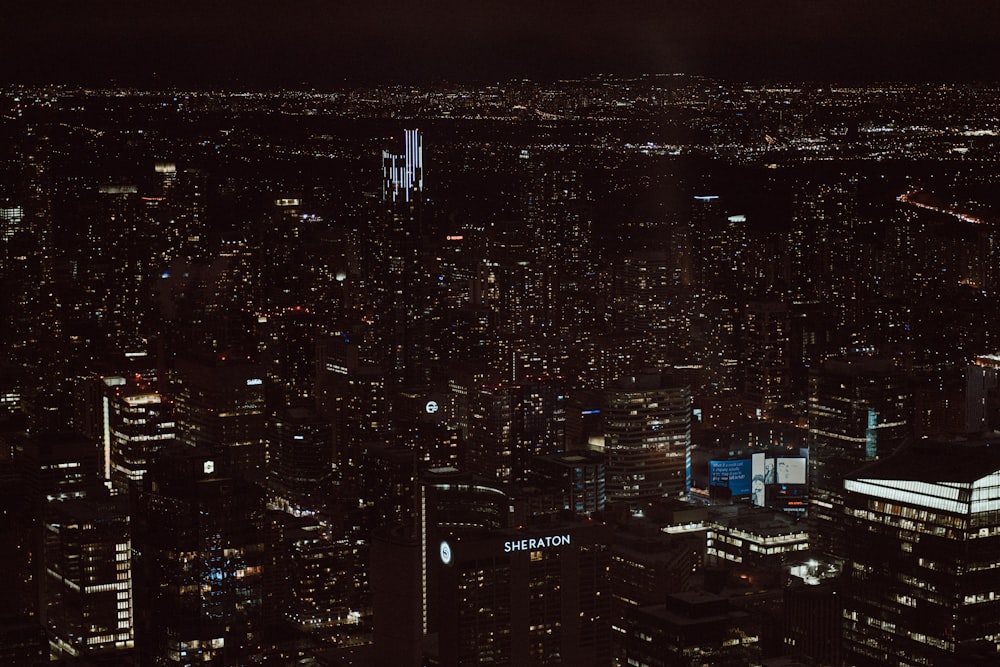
(220, 405)
(693, 627)
(199, 561)
(812, 622)
(859, 411)
(579, 475)
(300, 458)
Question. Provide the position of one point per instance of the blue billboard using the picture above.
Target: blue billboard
(733, 473)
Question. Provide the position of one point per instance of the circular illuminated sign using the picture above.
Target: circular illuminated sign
(445, 552)
(431, 407)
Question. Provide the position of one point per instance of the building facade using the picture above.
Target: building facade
(923, 541)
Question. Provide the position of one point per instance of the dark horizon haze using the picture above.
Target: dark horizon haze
(315, 43)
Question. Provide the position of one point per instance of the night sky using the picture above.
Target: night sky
(326, 43)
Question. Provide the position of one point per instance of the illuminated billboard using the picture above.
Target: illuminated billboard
(757, 471)
(732, 473)
(791, 470)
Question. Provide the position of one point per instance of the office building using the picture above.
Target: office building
(535, 595)
(692, 628)
(647, 438)
(220, 405)
(579, 475)
(87, 587)
(136, 421)
(753, 536)
(510, 423)
(200, 529)
(922, 547)
(858, 411)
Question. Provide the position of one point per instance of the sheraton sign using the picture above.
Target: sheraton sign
(533, 543)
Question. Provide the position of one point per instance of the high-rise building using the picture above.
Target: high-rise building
(579, 475)
(87, 589)
(407, 289)
(512, 422)
(559, 219)
(118, 266)
(300, 459)
(767, 366)
(137, 421)
(316, 588)
(535, 595)
(351, 395)
(57, 466)
(220, 405)
(403, 174)
(649, 300)
(488, 593)
(286, 349)
(859, 411)
(982, 379)
(922, 546)
(199, 561)
(647, 437)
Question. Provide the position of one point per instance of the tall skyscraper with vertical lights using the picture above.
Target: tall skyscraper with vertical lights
(403, 173)
(405, 289)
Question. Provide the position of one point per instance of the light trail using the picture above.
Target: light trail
(965, 217)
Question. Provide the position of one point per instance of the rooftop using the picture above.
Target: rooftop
(959, 460)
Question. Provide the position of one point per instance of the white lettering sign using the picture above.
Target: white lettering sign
(533, 543)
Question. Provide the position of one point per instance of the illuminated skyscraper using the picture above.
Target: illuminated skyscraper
(88, 578)
(538, 595)
(403, 174)
(491, 594)
(647, 438)
(406, 288)
(137, 421)
(922, 547)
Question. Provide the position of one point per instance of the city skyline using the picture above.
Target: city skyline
(647, 367)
